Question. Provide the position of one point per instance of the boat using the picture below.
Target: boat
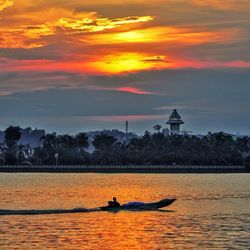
(134, 206)
(137, 206)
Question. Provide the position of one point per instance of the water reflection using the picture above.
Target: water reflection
(211, 211)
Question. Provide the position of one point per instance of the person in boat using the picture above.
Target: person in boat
(114, 203)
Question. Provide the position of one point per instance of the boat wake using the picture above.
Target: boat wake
(67, 211)
(47, 211)
(127, 207)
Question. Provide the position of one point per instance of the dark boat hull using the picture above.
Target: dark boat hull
(145, 206)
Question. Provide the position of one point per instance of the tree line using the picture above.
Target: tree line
(150, 149)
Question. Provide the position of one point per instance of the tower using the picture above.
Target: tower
(126, 129)
(175, 122)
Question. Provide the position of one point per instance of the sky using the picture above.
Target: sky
(70, 66)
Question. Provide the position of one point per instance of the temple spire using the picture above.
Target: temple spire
(175, 122)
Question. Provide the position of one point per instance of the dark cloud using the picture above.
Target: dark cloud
(80, 102)
(207, 99)
(155, 59)
(48, 52)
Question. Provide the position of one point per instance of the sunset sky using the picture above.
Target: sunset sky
(70, 66)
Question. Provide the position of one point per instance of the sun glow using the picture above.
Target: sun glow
(162, 35)
(57, 37)
(127, 62)
(132, 36)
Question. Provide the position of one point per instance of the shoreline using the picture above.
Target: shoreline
(123, 169)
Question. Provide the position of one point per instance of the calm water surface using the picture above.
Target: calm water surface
(212, 211)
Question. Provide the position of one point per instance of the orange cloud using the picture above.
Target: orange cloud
(127, 89)
(224, 5)
(30, 36)
(134, 91)
(96, 24)
(25, 36)
(5, 3)
(134, 63)
(163, 35)
(198, 64)
(90, 43)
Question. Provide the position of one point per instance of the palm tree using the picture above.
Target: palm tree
(11, 136)
(159, 146)
(2, 153)
(49, 147)
(21, 153)
(123, 152)
(65, 142)
(1, 148)
(243, 144)
(105, 149)
(49, 141)
(222, 146)
(139, 148)
(39, 155)
(82, 140)
(157, 128)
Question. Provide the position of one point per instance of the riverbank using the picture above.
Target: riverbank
(124, 169)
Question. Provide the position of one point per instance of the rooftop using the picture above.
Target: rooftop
(175, 118)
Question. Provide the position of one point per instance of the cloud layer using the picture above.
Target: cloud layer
(144, 55)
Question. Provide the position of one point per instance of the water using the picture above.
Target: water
(211, 211)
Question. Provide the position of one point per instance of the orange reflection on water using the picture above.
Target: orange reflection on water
(211, 211)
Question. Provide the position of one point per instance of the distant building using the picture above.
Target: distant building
(175, 122)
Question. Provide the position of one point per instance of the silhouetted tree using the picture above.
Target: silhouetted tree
(105, 149)
(157, 128)
(151, 148)
(21, 153)
(11, 136)
(82, 140)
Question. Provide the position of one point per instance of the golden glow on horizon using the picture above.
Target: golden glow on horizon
(126, 62)
(70, 38)
(161, 35)
(5, 3)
